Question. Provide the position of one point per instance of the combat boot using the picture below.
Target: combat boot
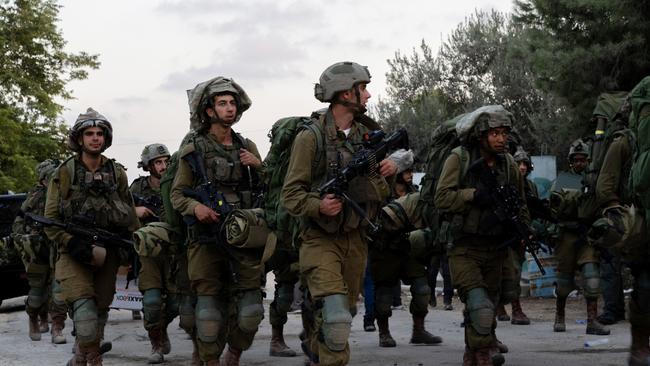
(232, 357)
(518, 316)
(277, 347)
(79, 358)
(155, 337)
(34, 329)
(501, 347)
(593, 325)
(196, 360)
(488, 357)
(502, 315)
(560, 305)
(212, 363)
(43, 325)
(93, 355)
(57, 330)
(165, 345)
(468, 358)
(420, 335)
(385, 339)
(640, 349)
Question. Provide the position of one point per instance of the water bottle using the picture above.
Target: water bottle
(596, 342)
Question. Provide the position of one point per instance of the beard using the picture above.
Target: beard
(216, 119)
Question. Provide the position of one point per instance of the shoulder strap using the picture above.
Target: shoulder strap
(463, 155)
(66, 176)
(313, 127)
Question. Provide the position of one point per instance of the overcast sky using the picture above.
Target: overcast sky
(151, 52)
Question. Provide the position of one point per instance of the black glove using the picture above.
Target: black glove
(482, 197)
(80, 251)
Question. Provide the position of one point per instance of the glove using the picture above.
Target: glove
(482, 197)
(80, 251)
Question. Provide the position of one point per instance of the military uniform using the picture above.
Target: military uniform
(39, 255)
(477, 256)
(103, 197)
(229, 306)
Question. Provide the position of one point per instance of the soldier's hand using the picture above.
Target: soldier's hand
(143, 212)
(249, 159)
(330, 205)
(387, 168)
(205, 214)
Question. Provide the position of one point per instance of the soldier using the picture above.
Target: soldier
(511, 289)
(477, 256)
(39, 257)
(571, 249)
(93, 188)
(333, 245)
(392, 262)
(229, 305)
(157, 273)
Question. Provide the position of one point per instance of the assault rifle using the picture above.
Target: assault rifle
(207, 194)
(154, 203)
(506, 205)
(83, 228)
(365, 162)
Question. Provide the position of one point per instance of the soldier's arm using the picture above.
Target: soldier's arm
(55, 234)
(184, 178)
(296, 191)
(449, 196)
(521, 185)
(125, 194)
(609, 178)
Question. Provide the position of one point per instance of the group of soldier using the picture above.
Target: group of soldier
(215, 288)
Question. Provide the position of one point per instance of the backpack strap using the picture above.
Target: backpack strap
(313, 127)
(463, 155)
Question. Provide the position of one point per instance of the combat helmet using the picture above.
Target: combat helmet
(578, 147)
(150, 153)
(340, 77)
(202, 95)
(91, 118)
(45, 169)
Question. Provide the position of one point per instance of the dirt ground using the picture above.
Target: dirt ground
(535, 344)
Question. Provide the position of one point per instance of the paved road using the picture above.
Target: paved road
(530, 345)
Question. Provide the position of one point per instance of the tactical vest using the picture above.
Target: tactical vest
(224, 169)
(368, 191)
(141, 187)
(30, 240)
(94, 196)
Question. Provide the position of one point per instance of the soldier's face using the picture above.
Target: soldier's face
(92, 140)
(523, 168)
(497, 139)
(225, 109)
(407, 175)
(579, 162)
(159, 166)
(351, 95)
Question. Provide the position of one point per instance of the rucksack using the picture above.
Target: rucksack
(172, 216)
(639, 122)
(282, 134)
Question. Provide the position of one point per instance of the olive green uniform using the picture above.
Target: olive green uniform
(333, 250)
(476, 259)
(102, 197)
(38, 255)
(229, 306)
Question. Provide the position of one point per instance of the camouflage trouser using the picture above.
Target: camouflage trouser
(475, 263)
(82, 281)
(387, 268)
(511, 276)
(161, 272)
(283, 263)
(210, 274)
(572, 253)
(332, 264)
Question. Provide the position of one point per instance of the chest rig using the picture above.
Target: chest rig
(93, 196)
(229, 176)
(35, 204)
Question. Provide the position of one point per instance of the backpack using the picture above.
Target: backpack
(172, 216)
(639, 122)
(282, 134)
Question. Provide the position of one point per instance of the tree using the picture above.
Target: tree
(34, 71)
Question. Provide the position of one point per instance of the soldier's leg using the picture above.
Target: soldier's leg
(420, 295)
(281, 305)
(518, 315)
(611, 282)
(508, 287)
(566, 255)
(37, 297)
(59, 311)
(150, 283)
(589, 262)
(384, 269)
(104, 284)
(640, 317)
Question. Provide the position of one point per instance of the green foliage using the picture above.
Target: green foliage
(34, 71)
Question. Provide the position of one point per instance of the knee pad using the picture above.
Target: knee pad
(250, 311)
(36, 297)
(383, 302)
(337, 322)
(591, 277)
(86, 322)
(283, 297)
(481, 310)
(57, 293)
(208, 318)
(187, 316)
(420, 296)
(564, 285)
(172, 303)
(152, 306)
